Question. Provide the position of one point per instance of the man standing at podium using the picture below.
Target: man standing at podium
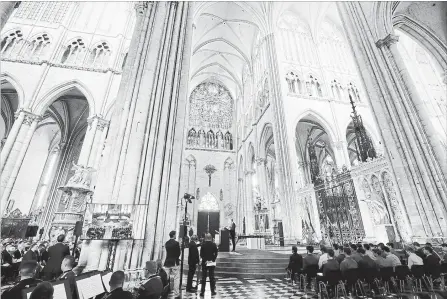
(233, 234)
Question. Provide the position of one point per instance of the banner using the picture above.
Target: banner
(114, 222)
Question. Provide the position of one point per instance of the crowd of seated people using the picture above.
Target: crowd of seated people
(364, 258)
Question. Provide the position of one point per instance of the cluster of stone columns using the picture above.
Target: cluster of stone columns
(412, 145)
(145, 142)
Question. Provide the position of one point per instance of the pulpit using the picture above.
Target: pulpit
(224, 241)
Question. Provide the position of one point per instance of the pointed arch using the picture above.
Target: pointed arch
(326, 125)
(6, 76)
(42, 104)
(265, 139)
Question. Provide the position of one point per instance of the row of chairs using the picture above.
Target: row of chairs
(381, 281)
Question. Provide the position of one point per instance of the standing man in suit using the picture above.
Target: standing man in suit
(172, 262)
(56, 254)
(233, 234)
(193, 260)
(208, 253)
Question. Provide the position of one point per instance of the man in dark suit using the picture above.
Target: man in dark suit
(28, 271)
(366, 262)
(233, 234)
(172, 261)
(56, 254)
(295, 263)
(208, 253)
(116, 287)
(193, 260)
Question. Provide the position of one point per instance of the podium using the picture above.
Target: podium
(224, 241)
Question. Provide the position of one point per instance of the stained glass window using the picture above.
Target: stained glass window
(209, 203)
(211, 106)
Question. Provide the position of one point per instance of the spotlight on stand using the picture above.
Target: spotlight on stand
(188, 198)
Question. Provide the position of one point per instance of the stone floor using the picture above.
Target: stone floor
(274, 288)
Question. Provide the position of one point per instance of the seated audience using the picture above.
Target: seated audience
(295, 263)
(323, 257)
(366, 262)
(28, 271)
(431, 260)
(116, 287)
(419, 250)
(354, 254)
(44, 290)
(331, 264)
(68, 274)
(391, 247)
(310, 259)
(336, 249)
(413, 259)
(341, 256)
(444, 252)
(395, 261)
(368, 252)
(152, 287)
(348, 262)
(380, 259)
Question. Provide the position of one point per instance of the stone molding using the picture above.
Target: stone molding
(379, 164)
(261, 161)
(249, 172)
(66, 66)
(29, 117)
(387, 41)
(209, 149)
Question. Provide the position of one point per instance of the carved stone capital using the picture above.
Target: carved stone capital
(30, 118)
(102, 123)
(249, 172)
(141, 7)
(240, 179)
(387, 41)
(260, 161)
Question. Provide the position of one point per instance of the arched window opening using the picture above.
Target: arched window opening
(354, 92)
(38, 46)
(290, 78)
(11, 43)
(192, 137)
(100, 54)
(337, 90)
(228, 141)
(314, 87)
(210, 139)
(74, 53)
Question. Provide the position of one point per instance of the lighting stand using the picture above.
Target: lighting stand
(187, 198)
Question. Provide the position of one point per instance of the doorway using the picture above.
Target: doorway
(208, 218)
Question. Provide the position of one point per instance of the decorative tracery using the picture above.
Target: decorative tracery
(211, 111)
(209, 203)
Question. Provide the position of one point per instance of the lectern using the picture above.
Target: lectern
(224, 240)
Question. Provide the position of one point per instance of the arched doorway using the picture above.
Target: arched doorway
(208, 219)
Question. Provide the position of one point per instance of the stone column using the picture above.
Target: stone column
(12, 136)
(98, 142)
(291, 231)
(147, 132)
(240, 210)
(249, 203)
(415, 165)
(47, 177)
(6, 9)
(20, 148)
(431, 134)
(89, 140)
